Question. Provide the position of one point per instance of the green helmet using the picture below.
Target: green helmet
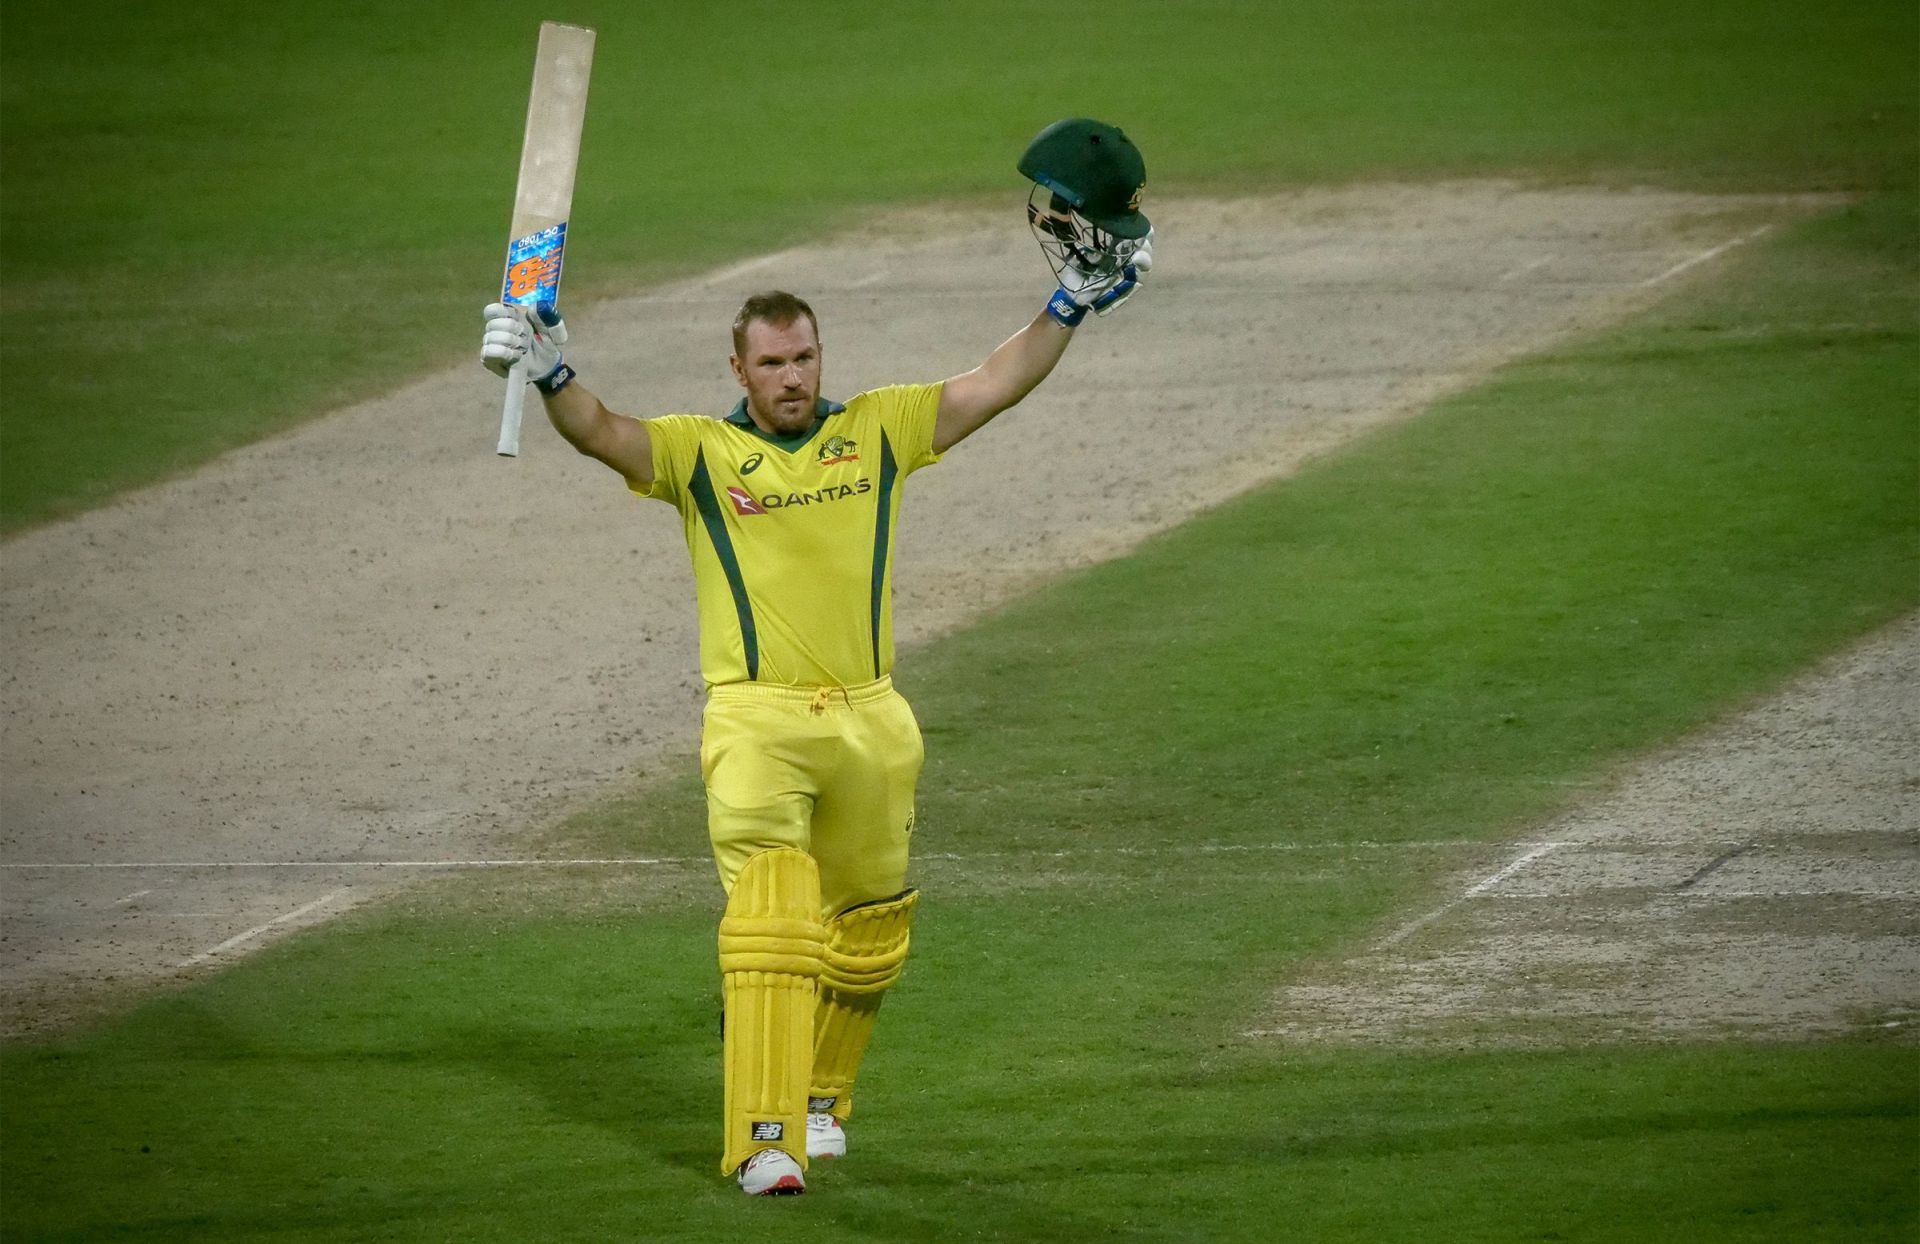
(1095, 169)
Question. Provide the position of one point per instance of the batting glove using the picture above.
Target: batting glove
(513, 334)
(1108, 280)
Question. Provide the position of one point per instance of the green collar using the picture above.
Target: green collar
(739, 418)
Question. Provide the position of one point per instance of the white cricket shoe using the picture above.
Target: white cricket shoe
(825, 1137)
(772, 1172)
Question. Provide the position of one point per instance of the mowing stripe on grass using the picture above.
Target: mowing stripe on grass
(1426, 638)
(117, 121)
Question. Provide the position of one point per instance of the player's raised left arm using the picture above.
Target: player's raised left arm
(968, 401)
(1011, 372)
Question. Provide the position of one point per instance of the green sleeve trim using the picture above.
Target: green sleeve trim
(700, 484)
(882, 537)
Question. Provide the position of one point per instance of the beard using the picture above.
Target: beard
(788, 417)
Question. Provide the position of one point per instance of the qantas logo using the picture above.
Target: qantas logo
(832, 492)
(745, 503)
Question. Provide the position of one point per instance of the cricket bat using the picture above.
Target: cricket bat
(548, 157)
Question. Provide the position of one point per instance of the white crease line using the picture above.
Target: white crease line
(240, 938)
(1201, 848)
(1526, 858)
(1479, 887)
(742, 268)
(1198, 848)
(1705, 255)
(1694, 896)
(1525, 268)
(190, 865)
(1663, 893)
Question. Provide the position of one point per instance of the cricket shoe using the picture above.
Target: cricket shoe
(772, 1172)
(825, 1137)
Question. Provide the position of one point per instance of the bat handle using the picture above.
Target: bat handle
(516, 402)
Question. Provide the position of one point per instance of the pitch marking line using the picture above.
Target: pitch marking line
(239, 939)
(191, 865)
(1201, 848)
(742, 268)
(1530, 266)
(1473, 891)
(1705, 255)
(1525, 858)
(1714, 896)
(1894, 895)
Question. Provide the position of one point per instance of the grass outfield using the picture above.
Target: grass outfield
(214, 224)
(1445, 631)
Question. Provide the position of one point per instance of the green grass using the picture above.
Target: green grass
(555, 1079)
(1445, 631)
(215, 224)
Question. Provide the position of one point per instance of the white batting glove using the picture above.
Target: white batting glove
(512, 333)
(1136, 251)
(1105, 282)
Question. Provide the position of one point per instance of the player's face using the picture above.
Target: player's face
(781, 374)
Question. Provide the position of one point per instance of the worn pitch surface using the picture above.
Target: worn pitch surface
(254, 696)
(1759, 881)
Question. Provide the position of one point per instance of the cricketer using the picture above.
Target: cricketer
(809, 755)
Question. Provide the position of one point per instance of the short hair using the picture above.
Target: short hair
(775, 307)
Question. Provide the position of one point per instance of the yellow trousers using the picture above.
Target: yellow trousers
(826, 770)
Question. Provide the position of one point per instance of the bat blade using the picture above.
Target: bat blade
(543, 199)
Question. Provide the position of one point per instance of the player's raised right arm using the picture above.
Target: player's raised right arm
(580, 417)
(617, 440)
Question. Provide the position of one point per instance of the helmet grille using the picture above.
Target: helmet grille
(1080, 253)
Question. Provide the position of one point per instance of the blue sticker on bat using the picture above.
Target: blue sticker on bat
(533, 267)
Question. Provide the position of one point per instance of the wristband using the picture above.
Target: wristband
(1064, 310)
(554, 381)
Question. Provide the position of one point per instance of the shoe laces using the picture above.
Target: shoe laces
(765, 1155)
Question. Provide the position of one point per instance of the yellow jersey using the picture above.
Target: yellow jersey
(792, 537)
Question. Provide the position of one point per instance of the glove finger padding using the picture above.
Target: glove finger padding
(1125, 288)
(503, 340)
(512, 333)
(1139, 253)
(1086, 286)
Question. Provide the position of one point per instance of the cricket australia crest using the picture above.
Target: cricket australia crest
(837, 449)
